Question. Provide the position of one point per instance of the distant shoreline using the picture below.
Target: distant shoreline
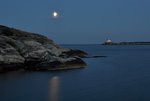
(126, 43)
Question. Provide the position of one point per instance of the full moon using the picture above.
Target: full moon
(55, 15)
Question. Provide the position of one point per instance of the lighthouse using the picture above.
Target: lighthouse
(108, 41)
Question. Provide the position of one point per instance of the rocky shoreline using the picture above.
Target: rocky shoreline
(35, 52)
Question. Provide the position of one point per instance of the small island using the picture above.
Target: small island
(109, 42)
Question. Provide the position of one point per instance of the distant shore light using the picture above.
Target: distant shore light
(108, 41)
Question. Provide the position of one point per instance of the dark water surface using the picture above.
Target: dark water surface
(122, 76)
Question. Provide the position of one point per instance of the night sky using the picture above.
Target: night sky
(80, 21)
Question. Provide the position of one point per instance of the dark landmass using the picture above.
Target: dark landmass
(95, 56)
(30, 51)
(127, 43)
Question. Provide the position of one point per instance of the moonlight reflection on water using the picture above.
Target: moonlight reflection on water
(54, 88)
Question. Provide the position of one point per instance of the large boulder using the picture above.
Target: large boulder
(19, 49)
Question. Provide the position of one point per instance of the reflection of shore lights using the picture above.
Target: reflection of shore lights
(55, 14)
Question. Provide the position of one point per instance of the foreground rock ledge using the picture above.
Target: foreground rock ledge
(30, 51)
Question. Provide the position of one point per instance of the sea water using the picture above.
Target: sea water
(124, 75)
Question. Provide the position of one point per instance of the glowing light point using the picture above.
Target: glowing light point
(108, 41)
(55, 15)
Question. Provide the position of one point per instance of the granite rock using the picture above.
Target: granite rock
(20, 49)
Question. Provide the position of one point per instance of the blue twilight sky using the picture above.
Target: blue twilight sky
(80, 21)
